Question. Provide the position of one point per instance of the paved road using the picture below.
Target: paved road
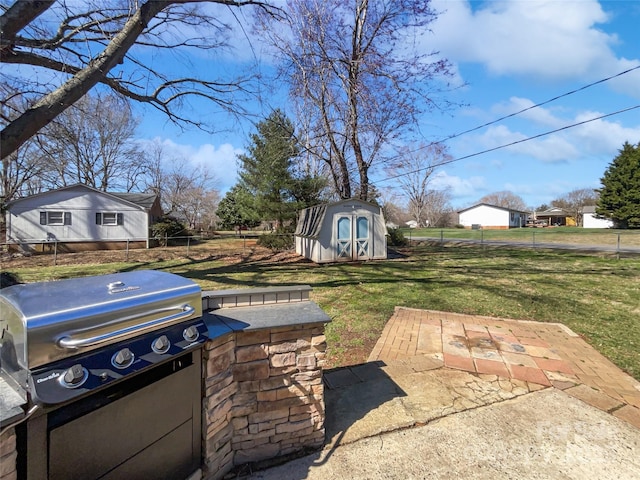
(544, 245)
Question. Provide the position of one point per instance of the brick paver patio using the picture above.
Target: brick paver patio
(547, 354)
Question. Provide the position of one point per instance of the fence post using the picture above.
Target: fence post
(618, 248)
(188, 243)
(441, 236)
(534, 239)
(126, 258)
(55, 252)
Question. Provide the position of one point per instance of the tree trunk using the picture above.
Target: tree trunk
(51, 105)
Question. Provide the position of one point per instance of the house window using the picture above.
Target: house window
(55, 218)
(109, 218)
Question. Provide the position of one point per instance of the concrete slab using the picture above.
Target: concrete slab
(547, 434)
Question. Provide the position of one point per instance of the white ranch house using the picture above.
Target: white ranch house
(589, 219)
(342, 231)
(486, 216)
(79, 217)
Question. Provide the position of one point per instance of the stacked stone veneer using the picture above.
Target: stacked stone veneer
(8, 455)
(263, 386)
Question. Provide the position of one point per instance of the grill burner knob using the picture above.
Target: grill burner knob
(74, 376)
(161, 344)
(123, 358)
(191, 333)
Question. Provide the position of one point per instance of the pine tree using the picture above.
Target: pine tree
(268, 172)
(620, 192)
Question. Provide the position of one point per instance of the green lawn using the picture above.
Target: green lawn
(596, 296)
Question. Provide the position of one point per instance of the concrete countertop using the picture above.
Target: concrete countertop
(11, 403)
(259, 317)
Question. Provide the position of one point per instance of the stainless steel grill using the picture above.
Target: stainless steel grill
(65, 338)
(113, 353)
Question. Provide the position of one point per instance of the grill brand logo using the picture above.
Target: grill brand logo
(51, 376)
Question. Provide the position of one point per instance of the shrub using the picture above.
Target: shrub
(396, 237)
(277, 241)
(167, 227)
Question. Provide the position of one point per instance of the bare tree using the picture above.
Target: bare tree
(505, 199)
(357, 81)
(78, 45)
(93, 143)
(438, 207)
(412, 171)
(574, 201)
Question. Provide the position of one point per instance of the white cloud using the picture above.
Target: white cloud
(538, 38)
(459, 187)
(596, 138)
(220, 160)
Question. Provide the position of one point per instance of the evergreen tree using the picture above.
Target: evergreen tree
(237, 209)
(266, 171)
(620, 192)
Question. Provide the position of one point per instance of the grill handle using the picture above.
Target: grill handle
(186, 311)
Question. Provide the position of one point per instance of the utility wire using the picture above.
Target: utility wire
(531, 107)
(566, 127)
(584, 87)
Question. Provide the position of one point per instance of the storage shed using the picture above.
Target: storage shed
(342, 231)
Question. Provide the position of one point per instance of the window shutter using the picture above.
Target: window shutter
(120, 219)
(43, 218)
(67, 218)
(98, 218)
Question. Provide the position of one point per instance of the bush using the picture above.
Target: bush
(167, 227)
(277, 241)
(396, 237)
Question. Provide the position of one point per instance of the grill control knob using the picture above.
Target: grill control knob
(74, 376)
(123, 358)
(191, 333)
(161, 344)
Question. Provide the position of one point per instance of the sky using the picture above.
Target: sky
(507, 56)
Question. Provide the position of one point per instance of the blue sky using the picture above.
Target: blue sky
(511, 55)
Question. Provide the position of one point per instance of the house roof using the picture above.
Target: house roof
(142, 200)
(589, 209)
(553, 212)
(492, 206)
(145, 200)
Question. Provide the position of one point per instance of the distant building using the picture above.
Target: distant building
(589, 219)
(486, 216)
(557, 217)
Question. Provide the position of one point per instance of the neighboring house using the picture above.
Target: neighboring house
(411, 224)
(484, 215)
(589, 219)
(556, 217)
(80, 217)
(342, 231)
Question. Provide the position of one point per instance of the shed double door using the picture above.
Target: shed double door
(353, 237)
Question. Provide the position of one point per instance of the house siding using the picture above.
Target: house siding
(490, 217)
(24, 218)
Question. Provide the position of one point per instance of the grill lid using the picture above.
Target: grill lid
(49, 321)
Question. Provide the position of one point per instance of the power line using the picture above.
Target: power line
(453, 160)
(531, 107)
(584, 87)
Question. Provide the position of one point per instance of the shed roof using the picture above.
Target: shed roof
(310, 221)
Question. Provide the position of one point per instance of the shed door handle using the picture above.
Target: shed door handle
(185, 311)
